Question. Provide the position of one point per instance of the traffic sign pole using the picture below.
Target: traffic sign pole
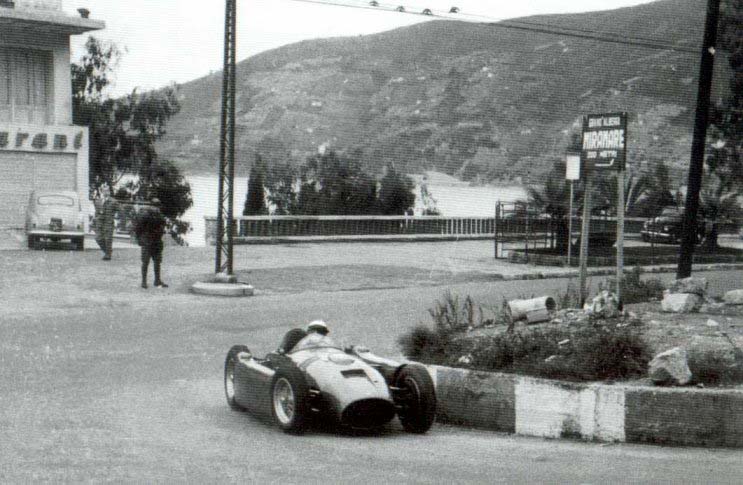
(620, 234)
(570, 224)
(586, 227)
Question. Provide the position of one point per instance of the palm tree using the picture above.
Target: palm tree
(718, 201)
(553, 198)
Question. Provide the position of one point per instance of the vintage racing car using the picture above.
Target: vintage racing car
(319, 380)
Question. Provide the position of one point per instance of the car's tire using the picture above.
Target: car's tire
(31, 242)
(290, 399)
(645, 238)
(419, 405)
(229, 376)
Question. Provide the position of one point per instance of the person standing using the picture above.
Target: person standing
(106, 208)
(149, 229)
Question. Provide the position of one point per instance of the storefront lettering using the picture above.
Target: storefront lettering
(41, 141)
(60, 142)
(20, 139)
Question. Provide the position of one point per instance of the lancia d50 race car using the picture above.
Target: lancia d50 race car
(318, 380)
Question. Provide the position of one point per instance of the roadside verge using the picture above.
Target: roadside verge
(593, 412)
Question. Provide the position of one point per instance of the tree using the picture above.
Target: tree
(724, 161)
(330, 184)
(255, 202)
(717, 201)
(123, 132)
(281, 182)
(553, 198)
(654, 193)
(396, 193)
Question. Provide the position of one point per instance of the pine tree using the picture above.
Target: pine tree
(255, 201)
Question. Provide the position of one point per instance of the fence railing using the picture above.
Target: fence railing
(329, 226)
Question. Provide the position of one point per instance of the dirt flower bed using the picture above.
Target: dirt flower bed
(575, 346)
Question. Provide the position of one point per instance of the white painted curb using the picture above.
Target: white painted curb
(595, 412)
(222, 289)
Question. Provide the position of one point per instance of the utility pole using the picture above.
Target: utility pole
(696, 164)
(227, 145)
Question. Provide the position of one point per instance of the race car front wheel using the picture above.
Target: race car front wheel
(229, 376)
(417, 398)
(290, 400)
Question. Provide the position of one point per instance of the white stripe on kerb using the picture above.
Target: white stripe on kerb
(553, 411)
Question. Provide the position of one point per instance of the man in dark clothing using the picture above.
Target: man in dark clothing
(149, 229)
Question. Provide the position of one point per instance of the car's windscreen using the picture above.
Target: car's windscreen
(315, 341)
(56, 200)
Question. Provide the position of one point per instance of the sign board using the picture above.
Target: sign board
(49, 139)
(604, 146)
(572, 167)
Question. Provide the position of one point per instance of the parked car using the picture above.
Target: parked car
(55, 216)
(320, 381)
(666, 228)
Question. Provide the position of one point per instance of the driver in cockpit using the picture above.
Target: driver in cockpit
(315, 334)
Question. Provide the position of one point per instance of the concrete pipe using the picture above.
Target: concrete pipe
(533, 311)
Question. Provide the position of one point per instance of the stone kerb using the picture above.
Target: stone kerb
(596, 412)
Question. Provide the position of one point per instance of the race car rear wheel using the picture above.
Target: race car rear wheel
(417, 398)
(229, 376)
(290, 399)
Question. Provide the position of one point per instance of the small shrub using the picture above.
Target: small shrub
(635, 289)
(423, 344)
(716, 371)
(570, 298)
(602, 353)
(450, 315)
(587, 354)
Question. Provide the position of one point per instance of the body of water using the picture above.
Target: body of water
(453, 198)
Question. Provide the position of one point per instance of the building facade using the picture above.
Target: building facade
(39, 146)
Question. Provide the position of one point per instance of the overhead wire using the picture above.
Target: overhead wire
(515, 24)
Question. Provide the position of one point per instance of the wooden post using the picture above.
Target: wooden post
(696, 164)
(586, 227)
(620, 234)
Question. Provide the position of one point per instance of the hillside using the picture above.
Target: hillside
(457, 97)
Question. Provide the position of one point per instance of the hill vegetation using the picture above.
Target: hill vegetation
(481, 101)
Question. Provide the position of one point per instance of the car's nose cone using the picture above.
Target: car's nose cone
(368, 413)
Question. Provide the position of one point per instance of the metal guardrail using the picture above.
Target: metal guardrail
(329, 226)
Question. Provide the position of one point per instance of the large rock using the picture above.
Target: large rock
(734, 297)
(697, 286)
(670, 368)
(681, 302)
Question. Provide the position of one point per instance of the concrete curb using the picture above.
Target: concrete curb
(222, 289)
(543, 275)
(593, 412)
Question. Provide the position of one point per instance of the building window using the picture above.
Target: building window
(25, 86)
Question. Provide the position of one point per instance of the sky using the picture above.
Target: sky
(168, 41)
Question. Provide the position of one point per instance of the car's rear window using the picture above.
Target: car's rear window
(55, 200)
(671, 212)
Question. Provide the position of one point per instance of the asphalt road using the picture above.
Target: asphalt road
(133, 393)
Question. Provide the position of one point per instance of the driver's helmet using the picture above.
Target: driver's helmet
(317, 326)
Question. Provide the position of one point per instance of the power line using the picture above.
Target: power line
(577, 29)
(542, 28)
